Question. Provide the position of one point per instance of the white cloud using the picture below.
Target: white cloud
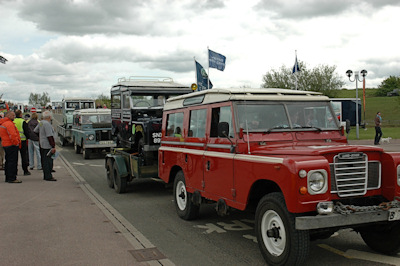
(83, 47)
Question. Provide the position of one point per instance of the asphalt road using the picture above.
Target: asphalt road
(210, 240)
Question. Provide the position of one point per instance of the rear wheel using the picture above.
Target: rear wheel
(110, 173)
(183, 199)
(120, 183)
(280, 243)
(383, 238)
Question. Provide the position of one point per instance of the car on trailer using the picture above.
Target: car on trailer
(136, 110)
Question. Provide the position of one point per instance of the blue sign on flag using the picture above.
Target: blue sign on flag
(202, 78)
(296, 67)
(216, 60)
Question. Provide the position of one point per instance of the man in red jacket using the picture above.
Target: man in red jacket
(11, 142)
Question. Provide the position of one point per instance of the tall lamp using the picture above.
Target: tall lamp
(349, 73)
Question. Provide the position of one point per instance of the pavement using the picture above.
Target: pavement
(66, 223)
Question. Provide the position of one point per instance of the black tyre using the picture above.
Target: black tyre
(383, 238)
(86, 152)
(183, 199)
(77, 148)
(110, 173)
(280, 243)
(120, 183)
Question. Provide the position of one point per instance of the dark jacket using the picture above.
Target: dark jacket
(31, 125)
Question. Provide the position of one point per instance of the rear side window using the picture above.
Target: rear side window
(175, 125)
(197, 124)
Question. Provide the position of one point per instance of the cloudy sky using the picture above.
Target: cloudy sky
(81, 47)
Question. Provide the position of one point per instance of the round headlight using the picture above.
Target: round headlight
(316, 181)
(91, 137)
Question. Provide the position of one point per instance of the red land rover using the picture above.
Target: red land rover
(283, 153)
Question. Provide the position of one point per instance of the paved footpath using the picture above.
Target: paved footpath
(66, 223)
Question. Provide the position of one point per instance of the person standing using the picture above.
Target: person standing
(1, 148)
(378, 130)
(47, 144)
(11, 142)
(33, 143)
(22, 127)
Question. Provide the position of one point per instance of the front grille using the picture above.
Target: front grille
(353, 175)
(103, 135)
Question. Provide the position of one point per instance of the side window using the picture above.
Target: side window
(197, 124)
(175, 125)
(221, 114)
(116, 101)
(125, 101)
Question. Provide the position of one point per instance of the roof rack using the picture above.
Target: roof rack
(145, 78)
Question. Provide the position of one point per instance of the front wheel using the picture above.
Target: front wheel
(280, 243)
(85, 152)
(77, 148)
(383, 238)
(183, 199)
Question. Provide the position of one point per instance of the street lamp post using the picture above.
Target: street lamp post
(349, 73)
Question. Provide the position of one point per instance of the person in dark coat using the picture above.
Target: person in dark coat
(33, 143)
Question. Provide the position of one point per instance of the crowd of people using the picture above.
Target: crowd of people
(29, 137)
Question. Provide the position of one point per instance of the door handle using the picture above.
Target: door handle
(208, 164)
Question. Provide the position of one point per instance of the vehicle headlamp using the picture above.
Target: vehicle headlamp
(317, 182)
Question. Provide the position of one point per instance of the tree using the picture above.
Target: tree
(103, 99)
(37, 99)
(322, 78)
(388, 85)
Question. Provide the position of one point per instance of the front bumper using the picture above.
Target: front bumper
(341, 220)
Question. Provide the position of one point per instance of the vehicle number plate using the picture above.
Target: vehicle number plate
(394, 214)
(106, 142)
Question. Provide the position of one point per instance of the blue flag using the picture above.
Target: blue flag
(296, 67)
(202, 78)
(216, 60)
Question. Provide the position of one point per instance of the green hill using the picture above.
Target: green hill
(388, 106)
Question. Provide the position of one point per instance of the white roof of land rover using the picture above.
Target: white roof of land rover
(148, 84)
(240, 94)
(100, 111)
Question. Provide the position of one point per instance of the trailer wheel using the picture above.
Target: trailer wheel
(120, 183)
(383, 238)
(183, 199)
(62, 140)
(280, 243)
(110, 173)
(86, 152)
(77, 148)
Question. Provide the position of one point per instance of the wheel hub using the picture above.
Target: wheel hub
(274, 232)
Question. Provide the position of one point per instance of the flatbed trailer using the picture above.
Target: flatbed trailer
(123, 166)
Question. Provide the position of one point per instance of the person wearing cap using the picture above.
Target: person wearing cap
(11, 142)
(47, 144)
(23, 130)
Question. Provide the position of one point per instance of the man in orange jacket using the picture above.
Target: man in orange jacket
(11, 142)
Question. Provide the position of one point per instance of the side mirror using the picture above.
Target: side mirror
(223, 129)
(347, 126)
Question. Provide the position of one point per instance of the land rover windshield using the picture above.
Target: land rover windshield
(263, 116)
(149, 101)
(95, 119)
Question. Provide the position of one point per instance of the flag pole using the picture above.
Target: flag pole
(195, 70)
(208, 69)
(295, 65)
